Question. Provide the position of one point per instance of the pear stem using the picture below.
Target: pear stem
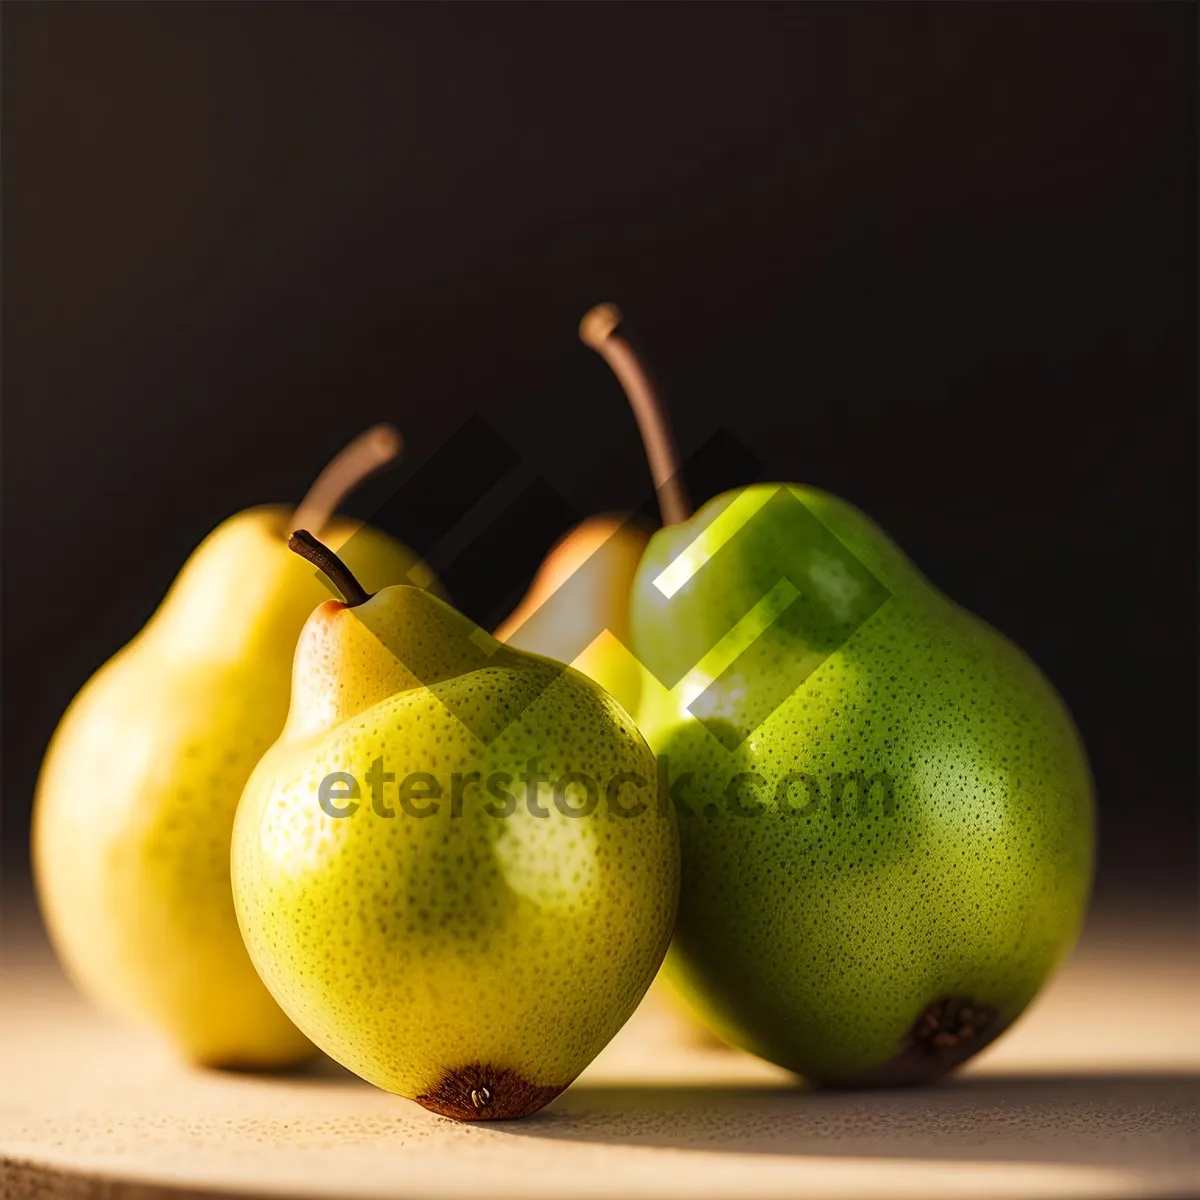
(600, 329)
(340, 575)
(354, 463)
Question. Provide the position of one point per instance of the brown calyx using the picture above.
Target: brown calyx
(946, 1034)
(484, 1093)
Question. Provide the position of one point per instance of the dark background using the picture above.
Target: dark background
(939, 260)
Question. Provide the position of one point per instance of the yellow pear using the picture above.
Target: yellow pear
(137, 793)
(453, 870)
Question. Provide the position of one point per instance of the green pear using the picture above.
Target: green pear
(453, 870)
(886, 814)
(137, 793)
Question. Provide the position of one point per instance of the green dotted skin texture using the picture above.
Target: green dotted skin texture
(816, 933)
(462, 943)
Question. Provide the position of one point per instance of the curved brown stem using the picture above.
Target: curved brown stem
(600, 329)
(340, 575)
(352, 465)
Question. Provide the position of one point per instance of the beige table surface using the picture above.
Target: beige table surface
(1093, 1093)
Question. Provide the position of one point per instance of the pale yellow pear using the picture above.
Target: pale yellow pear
(137, 793)
(581, 594)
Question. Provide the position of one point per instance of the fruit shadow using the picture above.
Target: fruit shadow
(1125, 1120)
(317, 1071)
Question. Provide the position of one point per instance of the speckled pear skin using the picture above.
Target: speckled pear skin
(135, 803)
(876, 944)
(473, 962)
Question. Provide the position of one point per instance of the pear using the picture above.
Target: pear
(136, 796)
(452, 871)
(577, 607)
(886, 813)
